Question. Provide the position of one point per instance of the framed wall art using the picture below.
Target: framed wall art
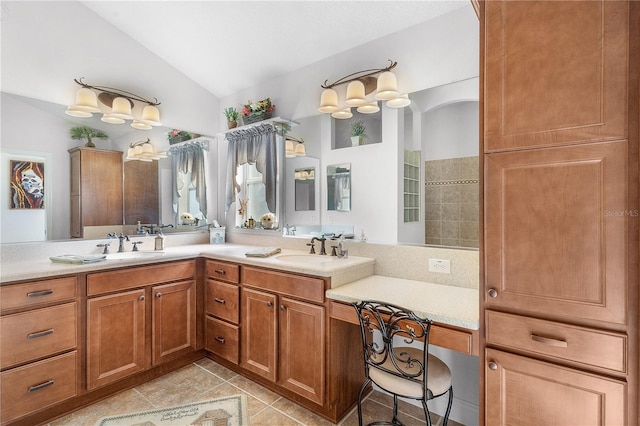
(26, 184)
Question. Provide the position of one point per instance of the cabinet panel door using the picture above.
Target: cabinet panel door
(101, 181)
(259, 336)
(301, 366)
(525, 392)
(174, 320)
(555, 72)
(115, 337)
(556, 231)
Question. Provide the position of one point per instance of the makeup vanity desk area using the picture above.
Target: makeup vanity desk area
(453, 310)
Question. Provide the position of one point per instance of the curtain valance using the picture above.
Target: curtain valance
(187, 158)
(256, 145)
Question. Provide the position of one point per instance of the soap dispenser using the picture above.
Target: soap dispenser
(160, 241)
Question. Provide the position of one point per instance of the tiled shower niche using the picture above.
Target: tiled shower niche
(451, 202)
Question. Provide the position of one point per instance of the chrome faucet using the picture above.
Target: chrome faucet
(322, 241)
(122, 239)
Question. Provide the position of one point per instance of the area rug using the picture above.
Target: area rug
(227, 411)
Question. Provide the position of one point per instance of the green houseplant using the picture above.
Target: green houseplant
(232, 117)
(358, 134)
(86, 132)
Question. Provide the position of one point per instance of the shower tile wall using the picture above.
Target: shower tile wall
(451, 202)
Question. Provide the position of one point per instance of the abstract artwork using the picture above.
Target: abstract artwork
(27, 184)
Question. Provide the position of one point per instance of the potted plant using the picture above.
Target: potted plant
(358, 134)
(177, 136)
(86, 132)
(257, 111)
(232, 117)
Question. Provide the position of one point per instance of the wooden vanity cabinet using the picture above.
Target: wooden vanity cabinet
(138, 318)
(560, 250)
(96, 188)
(283, 330)
(39, 356)
(222, 309)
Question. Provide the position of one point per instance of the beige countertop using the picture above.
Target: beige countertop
(457, 306)
(340, 270)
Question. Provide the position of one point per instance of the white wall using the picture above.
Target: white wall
(451, 131)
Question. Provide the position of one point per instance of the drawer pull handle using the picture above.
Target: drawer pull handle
(269, 304)
(493, 292)
(283, 308)
(220, 339)
(40, 386)
(40, 334)
(40, 293)
(158, 294)
(141, 297)
(219, 300)
(549, 341)
(493, 366)
(220, 271)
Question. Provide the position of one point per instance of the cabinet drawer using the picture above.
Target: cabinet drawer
(223, 300)
(223, 271)
(311, 289)
(105, 282)
(38, 333)
(37, 293)
(591, 347)
(38, 385)
(223, 339)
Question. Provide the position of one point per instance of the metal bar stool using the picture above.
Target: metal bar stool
(395, 367)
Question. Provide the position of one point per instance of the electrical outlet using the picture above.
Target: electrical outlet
(442, 266)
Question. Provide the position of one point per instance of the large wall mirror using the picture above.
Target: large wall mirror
(305, 189)
(434, 179)
(151, 182)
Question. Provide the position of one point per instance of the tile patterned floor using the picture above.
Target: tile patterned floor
(214, 381)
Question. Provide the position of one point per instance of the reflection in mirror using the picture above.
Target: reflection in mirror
(339, 187)
(361, 129)
(305, 189)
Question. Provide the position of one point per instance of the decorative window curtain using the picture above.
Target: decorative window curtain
(184, 159)
(256, 145)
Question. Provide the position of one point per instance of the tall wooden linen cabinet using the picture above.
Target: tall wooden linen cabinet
(559, 101)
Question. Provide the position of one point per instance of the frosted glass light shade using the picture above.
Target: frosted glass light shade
(77, 112)
(86, 100)
(355, 94)
(328, 101)
(387, 86)
(342, 114)
(111, 119)
(140, 125)
(369, 108)
(121, 108)
(151, 115)
(300, 150)
(289, 151)
(399, 102)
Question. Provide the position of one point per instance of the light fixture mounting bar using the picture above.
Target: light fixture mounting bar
(358, 75)
(117, 92)
(134, 144)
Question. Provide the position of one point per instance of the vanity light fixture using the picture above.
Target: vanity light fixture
(294, 147)
(120, 101)
(363, 92)
(144, 151)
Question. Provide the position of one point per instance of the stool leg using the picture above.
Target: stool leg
(446, 415)
(362, 389)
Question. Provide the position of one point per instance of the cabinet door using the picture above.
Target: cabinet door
(556, 231)
(116, 337)
(101, 182)
(174, 320)
(301, 366)
(259, 337)
(555, 72)
(525, 392)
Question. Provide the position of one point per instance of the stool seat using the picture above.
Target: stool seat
(407, 370)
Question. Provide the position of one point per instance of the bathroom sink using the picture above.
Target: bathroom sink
(134, 255)
(305, 259)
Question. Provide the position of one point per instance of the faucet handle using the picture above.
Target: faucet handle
(135, 245)
(313, 248)
(106, 247)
